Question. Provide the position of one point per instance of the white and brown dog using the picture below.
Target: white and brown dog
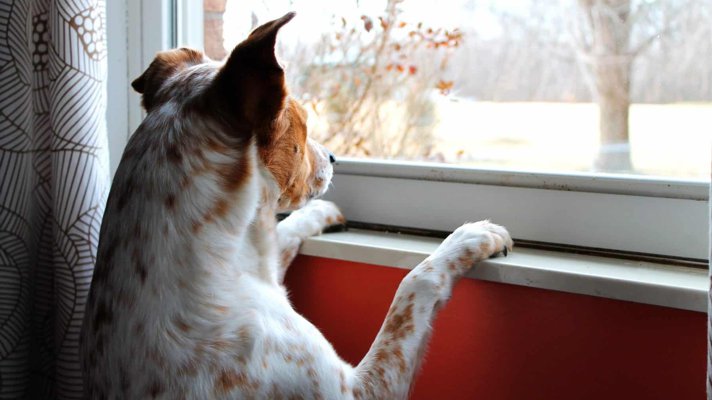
(187, 300)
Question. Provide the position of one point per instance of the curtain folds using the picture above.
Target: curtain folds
(55, 177)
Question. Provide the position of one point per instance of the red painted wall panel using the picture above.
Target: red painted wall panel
(496, 341)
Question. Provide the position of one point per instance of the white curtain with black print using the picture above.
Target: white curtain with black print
(54, 179)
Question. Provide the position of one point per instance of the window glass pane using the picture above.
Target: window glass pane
(620, 86)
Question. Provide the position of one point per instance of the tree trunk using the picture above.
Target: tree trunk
(613, 97)
(608, 61)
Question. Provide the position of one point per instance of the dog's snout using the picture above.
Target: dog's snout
(332, 159)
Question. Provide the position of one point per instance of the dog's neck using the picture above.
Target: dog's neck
(262, 234)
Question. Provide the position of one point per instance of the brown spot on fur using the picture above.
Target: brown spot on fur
(185, 182)
(399, 325)
(469, 257)
(142, 271)
(287, 256)
(173, 154)
(400, 360)
(196, 227)
(189, 367)
(199, 351)
(138, 328)
(171, 204)
(182, 325)
(221, 208)
(139, 266)
(103, 316)
(228, 380)
(109, 249)
(233, 175)
(155, 389)
(156, 357)
(381, 356)
(275, 393)
(124, 194)
(342, 382)
(220, 344)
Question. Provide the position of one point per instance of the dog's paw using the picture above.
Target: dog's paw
(471, 243)
(317, 215)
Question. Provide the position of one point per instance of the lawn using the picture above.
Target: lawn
(672, 140)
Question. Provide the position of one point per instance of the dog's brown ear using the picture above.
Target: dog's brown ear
(166, 64)
(251, 84)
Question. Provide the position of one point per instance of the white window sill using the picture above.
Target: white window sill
(636, 281)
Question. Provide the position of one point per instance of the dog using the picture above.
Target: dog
(187, 300)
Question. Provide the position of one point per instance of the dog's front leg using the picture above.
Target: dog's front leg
(387, 370)
(307, 221)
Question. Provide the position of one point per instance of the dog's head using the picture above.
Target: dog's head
(247, 95)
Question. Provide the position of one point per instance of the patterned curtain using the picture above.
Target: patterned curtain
(53, 186)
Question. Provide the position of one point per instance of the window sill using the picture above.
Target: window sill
(636, 281)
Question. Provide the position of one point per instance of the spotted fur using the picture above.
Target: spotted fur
(187, 300)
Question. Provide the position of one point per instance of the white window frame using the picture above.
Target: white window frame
(621, 213)
(136, 31)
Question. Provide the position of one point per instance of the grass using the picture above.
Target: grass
(673, 140)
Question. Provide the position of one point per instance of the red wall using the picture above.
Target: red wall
(496, 341)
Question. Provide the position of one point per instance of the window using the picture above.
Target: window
(620, 86)
(510, 110)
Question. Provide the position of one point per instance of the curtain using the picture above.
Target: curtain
(54, 175)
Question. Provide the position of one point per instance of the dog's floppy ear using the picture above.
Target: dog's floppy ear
(251, 83)
(162, 67)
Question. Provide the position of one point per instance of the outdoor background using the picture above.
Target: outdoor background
(622, 86)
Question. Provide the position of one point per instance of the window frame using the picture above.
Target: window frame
(621, 213)
(616, 211)
(136, 31)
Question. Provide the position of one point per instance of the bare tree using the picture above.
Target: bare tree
(604, 43)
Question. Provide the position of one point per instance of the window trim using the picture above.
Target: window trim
(189, 23)
(136, 31)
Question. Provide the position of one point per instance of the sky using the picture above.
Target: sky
(314, 17)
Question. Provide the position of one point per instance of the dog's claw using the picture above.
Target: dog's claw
(505, 251)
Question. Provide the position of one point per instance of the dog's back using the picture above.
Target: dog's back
(186, 299)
